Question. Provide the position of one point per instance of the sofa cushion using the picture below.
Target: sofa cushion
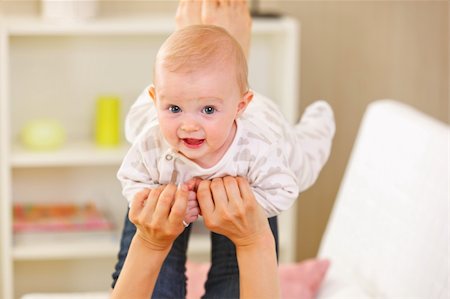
(388, 233)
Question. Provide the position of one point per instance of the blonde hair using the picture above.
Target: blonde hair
(196, 46)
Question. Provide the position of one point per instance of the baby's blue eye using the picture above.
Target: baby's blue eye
(174, 109)
(209, 110)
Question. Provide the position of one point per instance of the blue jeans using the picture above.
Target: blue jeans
(223, 276)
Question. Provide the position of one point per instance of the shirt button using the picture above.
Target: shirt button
(169, 157)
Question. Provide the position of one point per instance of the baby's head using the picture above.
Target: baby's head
(200, 89)
(198, 47)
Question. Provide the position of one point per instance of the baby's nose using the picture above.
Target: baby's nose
(189, 125)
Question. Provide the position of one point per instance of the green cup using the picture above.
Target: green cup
(107, 121)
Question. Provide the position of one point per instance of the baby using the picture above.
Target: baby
(206, 123)
(200, 94)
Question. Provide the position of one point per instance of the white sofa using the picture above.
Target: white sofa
(388, 234)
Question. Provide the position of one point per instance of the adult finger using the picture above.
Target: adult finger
(178, 209)
(165, 201)
(248, 198)
(232, 189)
(205, 199)
(150, 204)
(219, 194)
(138, 204)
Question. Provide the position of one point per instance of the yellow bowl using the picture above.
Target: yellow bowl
(43, 135)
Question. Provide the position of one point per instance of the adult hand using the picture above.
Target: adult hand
(158, 215)
(229, 208)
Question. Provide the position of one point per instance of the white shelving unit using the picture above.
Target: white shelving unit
(57, 71)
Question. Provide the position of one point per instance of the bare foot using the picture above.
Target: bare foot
(189, 12)
(233, 15)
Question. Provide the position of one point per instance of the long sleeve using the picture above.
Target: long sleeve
(273, 182)
(134, 174)
(313, 136)
(141, 115)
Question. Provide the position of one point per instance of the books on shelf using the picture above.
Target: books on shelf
(63, 222)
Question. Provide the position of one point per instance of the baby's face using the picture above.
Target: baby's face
(197, 111)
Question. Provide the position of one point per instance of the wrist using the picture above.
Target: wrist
(263, 239)
(150, 244)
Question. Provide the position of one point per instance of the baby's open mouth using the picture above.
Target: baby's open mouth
(192, 142)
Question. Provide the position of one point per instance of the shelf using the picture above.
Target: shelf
(157, 24)
(115, 26)
(57, 70)
(89, 248)
(73, 154)
(66, 250)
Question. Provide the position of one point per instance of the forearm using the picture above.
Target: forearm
(140, 271)
(258, 269)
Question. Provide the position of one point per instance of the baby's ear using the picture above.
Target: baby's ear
(152, 92)
(244, 101)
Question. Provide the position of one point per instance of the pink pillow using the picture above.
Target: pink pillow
(298, 280)
(196, 277)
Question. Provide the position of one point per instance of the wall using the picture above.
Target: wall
(352, 53)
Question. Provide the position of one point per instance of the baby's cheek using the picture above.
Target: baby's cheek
(169, 133)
